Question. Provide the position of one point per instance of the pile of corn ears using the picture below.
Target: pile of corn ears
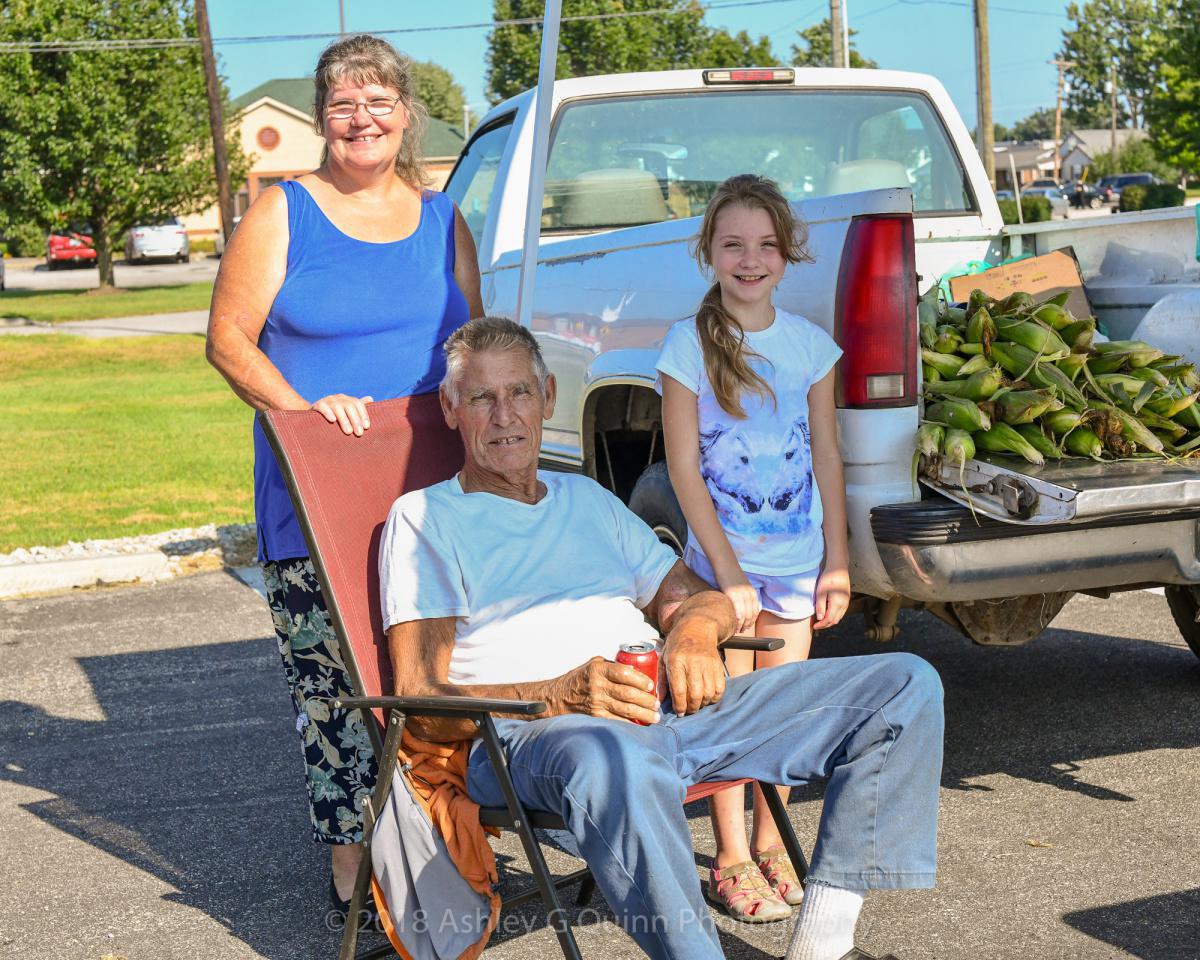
(1023, 378)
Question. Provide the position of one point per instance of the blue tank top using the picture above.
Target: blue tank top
(364, 319)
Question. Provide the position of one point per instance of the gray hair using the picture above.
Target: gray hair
(489, 333)
(363, 58)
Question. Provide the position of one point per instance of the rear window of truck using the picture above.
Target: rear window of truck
(624, 161)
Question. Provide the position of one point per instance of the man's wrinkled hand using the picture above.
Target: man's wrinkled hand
(693, 671)
(601, 688)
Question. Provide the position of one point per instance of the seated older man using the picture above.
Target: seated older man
(506, 582)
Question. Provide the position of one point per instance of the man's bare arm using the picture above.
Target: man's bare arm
(694, 618)
(420, 652)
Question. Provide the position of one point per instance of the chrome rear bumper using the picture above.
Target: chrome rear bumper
(935, 551)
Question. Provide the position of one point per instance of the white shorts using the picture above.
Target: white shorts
(789, 596)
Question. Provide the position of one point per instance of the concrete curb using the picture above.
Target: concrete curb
(52, 576)
(152, 558)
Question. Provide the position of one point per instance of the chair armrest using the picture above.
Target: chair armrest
(751, 643)
(442, 705)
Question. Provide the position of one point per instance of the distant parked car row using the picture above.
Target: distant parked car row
(1042, 188)
(1110, 187)
(1080, 193)
(163, 239)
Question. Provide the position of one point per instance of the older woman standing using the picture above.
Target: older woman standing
(339, 287)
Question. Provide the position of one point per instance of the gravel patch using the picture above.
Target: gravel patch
(188, 550)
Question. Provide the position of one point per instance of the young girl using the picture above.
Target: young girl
(751, 439)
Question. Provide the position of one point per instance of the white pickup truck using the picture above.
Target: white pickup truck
(882, 169)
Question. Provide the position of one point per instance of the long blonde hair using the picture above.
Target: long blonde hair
(722, 339)
(363, 58)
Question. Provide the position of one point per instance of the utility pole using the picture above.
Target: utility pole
(838, 34)
(846, 33)
(983, 90)
(216, 121)
(342, 17)
(1063, 66)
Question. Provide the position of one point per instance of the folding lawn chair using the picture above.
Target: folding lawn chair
(343, 488)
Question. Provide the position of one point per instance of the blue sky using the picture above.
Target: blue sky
(930, 36)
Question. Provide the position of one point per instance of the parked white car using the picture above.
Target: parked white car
(163, 240)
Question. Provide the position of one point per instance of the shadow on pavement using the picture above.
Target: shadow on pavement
(1135, 927)
(194, 775)
(195, 778)
(1035, 712)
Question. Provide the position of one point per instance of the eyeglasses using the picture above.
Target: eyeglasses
(376, 107)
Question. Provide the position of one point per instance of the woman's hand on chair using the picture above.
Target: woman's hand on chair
(349, 413)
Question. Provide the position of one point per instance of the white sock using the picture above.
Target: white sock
(825, 927)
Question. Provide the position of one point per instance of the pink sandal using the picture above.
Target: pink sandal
(776, 867)
(745, 894)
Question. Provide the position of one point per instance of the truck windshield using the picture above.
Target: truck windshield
(633, 160)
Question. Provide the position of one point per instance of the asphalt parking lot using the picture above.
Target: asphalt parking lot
(28, 274)
(153, 805)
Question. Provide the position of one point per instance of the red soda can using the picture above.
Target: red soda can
(643, 657)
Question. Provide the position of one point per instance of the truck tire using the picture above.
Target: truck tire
(653, 499)
(1008, 622)
(1184, 603)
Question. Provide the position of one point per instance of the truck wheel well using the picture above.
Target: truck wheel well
(622, 435)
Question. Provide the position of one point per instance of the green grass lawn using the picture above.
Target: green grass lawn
(112, 438)
(57, 306)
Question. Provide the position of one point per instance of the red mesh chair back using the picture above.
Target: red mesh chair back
(342, 488)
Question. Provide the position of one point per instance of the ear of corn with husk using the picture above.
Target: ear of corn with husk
(1025, 406)
(1024, 378)
(1002, 438)
(1040, 442)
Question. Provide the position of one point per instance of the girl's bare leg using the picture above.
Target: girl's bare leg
(797, 637)
(728, 808)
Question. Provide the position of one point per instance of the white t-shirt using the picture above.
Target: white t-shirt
(759, 470)
(538, 589)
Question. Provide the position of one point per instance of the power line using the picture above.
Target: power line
(158, 43)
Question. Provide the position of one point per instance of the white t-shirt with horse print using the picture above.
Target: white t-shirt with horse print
(758, 470)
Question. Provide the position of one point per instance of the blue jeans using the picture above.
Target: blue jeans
(871, 726)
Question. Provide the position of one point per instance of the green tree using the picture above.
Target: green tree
(439, 91)
(1039, 125)
(103, 136)
(669, 40)
(727, 50)
(1172, 110)
(1133, 156)
(818, 48)
(1128, 36)
(1000, 133)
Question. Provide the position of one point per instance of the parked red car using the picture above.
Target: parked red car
(73, 245)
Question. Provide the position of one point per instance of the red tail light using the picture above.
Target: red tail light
(875, 317)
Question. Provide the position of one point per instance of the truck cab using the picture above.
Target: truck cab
(881, 168)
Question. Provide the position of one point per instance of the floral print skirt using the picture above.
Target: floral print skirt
(339, 762)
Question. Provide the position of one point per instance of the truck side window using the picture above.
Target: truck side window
(470, 185)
